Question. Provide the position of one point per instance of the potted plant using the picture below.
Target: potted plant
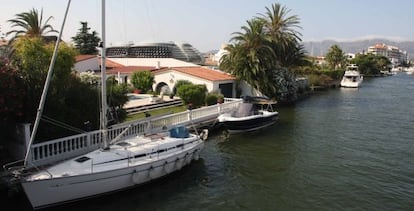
(220, 99)
(154, 97)
(137, 91)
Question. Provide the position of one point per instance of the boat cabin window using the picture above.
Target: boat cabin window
(123, 144)
(82, 159)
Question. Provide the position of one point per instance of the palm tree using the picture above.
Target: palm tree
(335, 57)
(294, 56)
(250, 56)
(30, 24)
(281, 32)
(278, 26)
(263, 52)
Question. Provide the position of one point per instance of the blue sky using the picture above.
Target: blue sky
(208, 24)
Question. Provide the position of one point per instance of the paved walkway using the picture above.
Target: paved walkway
(137, 100)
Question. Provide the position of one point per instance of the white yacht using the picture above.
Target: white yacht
(352, 77)
(409, 70)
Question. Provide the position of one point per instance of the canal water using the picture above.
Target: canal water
(343, 149)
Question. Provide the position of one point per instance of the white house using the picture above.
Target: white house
(167, 71)
(215, 80)
(86, 63)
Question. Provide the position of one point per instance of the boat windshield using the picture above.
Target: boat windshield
(244, 109)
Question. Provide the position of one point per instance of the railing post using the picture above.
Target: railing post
(88, 141)
(219, 108)
(189, 114)
(149, 127)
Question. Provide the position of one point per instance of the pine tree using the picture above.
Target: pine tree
(85, 41)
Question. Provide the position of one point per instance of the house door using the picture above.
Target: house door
(226, 89)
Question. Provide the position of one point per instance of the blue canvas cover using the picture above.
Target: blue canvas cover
(179, 132)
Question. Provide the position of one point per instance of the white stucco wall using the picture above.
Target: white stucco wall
(247, 90)
(85, 65)
(120, 77)
(170, 77)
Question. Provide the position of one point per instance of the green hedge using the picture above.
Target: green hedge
(334, 74)
(212, 98)
(192, 94)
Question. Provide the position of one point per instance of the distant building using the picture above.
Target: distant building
(395, 55)
(220, 53)
(181, 51)
(350, 56)
(320, 60)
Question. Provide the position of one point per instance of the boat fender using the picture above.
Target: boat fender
(167, 167)
(187, 158)
(178, 163)
(204, 134)
(151, 171)
(136, 177)
(196, 154)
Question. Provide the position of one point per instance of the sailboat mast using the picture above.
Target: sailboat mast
(103, 81)
(45, 89)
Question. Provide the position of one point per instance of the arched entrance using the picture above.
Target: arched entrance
(163, 87)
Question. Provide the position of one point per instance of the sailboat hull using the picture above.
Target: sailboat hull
(50, 192)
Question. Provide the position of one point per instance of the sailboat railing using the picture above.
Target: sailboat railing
(72, 146)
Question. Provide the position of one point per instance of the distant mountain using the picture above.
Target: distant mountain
(321, 47)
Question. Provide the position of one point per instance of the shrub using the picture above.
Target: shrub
(180, 83)
(212, 98)
(11, 100)
(335, 74)
(319, 80)
(194, 94)
(142, 80)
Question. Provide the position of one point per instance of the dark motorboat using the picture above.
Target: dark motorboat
(253, 114)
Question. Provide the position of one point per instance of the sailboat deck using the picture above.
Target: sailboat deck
(131, 152)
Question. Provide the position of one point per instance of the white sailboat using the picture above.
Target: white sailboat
(118, 165)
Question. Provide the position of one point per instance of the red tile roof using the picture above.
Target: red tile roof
(84, 57)
(380, 46)
(111, 64)
(205, 73)
(129, 69)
